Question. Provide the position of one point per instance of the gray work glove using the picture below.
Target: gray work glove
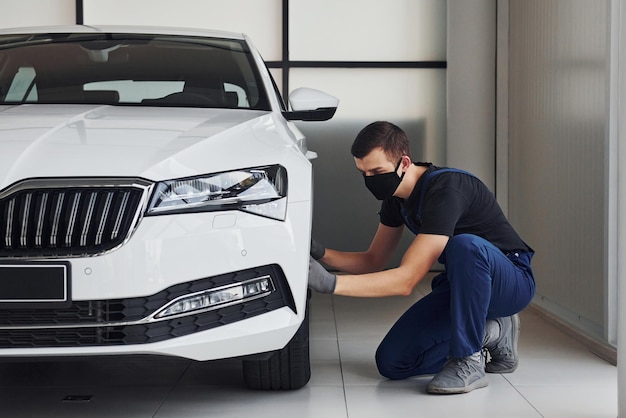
(321, 280)
(317, 249)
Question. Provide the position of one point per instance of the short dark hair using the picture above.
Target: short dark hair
(381, 134)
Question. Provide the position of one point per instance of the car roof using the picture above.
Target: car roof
(161, 30)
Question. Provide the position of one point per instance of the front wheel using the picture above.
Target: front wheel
(286, 369)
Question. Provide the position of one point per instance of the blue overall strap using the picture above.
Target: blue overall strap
(427, 180)
(407, 220)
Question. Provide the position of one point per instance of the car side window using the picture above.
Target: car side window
(23, 87)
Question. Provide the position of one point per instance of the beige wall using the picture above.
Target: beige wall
(18, 13)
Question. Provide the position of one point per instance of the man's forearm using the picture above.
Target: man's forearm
(417, 261)
(351, 262)
(392, 282)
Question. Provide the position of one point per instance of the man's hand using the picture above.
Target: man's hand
(321, 280)
(317, 249)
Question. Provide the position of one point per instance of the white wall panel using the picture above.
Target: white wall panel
(367, 30)
(260, 19)
(18, 13)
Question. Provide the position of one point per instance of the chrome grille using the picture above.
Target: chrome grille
(68, 218)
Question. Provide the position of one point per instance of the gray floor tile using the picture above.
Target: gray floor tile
(557, 378)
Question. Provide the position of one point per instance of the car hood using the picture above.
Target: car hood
(104, 141)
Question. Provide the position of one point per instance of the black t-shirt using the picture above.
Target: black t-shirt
(454, 203)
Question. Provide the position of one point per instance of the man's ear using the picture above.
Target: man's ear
(406, 162)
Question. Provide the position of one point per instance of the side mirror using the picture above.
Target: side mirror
(311, 105)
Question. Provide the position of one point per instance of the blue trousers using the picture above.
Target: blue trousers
(480, 282)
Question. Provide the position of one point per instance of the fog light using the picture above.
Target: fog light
(217, 298)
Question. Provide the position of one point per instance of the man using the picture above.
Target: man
(473, 304)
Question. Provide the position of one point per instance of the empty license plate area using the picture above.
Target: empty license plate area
(33, 284)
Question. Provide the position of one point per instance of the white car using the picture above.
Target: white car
(154, 199)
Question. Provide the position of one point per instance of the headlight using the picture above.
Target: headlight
(259, 190)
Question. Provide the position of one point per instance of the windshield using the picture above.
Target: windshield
(129, 69)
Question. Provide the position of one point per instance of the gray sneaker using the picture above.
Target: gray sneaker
(501, 341)
(460, 375)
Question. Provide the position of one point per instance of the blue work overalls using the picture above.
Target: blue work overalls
(480, 282)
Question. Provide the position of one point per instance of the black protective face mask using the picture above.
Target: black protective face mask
(383, 185)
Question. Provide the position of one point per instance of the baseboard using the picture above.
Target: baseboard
(601, 349)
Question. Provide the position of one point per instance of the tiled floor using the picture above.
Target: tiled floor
(557, 377)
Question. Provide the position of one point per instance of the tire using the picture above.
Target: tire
(286, 369)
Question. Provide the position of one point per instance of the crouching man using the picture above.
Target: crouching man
(456, 221)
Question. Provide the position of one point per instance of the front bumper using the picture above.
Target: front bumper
(259, 334)
(132, 321)
(167, 257)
